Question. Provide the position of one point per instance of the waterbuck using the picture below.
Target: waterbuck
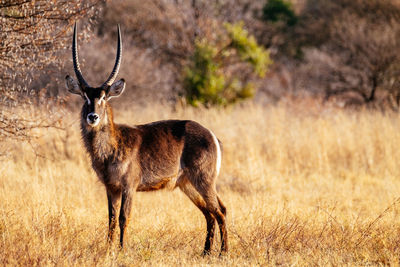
(170, 153)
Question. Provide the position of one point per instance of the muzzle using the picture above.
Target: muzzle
(93, 119)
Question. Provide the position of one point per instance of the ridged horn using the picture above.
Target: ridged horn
(75, 59)
(118, 58)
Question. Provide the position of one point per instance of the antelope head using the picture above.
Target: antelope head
(96, 98)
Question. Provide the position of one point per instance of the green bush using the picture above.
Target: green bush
(207, 79)
(279, 10)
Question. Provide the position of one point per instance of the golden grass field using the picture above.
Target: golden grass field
(304, 184)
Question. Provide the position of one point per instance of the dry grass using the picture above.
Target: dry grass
(303, 185)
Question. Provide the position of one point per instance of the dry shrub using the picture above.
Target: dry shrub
(31, 34)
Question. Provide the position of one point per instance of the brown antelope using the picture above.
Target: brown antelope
(170, 153)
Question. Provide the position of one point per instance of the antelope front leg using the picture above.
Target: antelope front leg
(113, 208)
(124, 215)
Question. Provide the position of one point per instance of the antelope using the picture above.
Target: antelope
(161, 154)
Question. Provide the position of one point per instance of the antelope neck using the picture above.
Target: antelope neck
(100, 141)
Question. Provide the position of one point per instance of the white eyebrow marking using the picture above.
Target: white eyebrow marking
(87, 98)
(101, 99)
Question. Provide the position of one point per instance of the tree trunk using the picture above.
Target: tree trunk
(374, 85)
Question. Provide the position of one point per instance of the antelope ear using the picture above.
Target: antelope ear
(116, 89)
(72, 85)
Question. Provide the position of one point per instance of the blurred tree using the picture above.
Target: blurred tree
(279, 10)
(370, 49)
(361, 43)
(223, 69)
(279, 29)
(31, 32)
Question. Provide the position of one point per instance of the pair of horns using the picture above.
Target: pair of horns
(77, 69)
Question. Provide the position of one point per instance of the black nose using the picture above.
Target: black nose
(93, 117)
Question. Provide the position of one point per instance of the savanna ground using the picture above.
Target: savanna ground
(303, 185)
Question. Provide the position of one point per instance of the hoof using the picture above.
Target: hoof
(206, 253)
(223, 253)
